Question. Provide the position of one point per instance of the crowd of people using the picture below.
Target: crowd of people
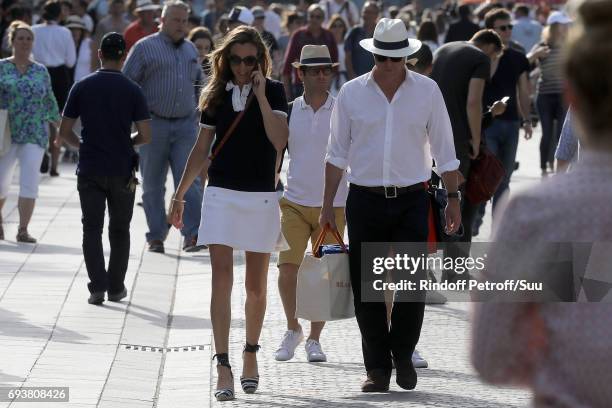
(369, 107)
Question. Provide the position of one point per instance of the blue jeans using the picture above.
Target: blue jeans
(502, 140)
(171, 142)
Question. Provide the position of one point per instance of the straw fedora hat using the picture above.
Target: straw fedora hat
(144, 5)
(391, 40)
(314, 55)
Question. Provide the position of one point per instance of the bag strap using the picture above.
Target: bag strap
(231, 128)
(321, 238)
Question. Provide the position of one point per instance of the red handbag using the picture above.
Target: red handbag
(486, 174)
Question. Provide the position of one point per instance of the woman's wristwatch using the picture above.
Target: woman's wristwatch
(524, 122)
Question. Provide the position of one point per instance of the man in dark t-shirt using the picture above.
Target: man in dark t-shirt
(510, 79)
(461, 70)
(107, 103)
(463, 29)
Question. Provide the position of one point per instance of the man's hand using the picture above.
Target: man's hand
(498, 108)
(452, 213)
(327, 217)
(528, 130)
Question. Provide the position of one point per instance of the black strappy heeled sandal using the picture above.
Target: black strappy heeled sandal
(250, 384)
(224, 394)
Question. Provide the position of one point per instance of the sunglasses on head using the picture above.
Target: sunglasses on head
(505, 27)
(314, 71)
(383, 58)
(249, 61)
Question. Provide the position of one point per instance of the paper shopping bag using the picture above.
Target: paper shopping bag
(324, 291)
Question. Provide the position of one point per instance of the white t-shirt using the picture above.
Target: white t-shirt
(273, 24)
(331, 7)
(308, 137)
(53, 45)
(83, 64)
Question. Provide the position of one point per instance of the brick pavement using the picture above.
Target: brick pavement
(50, 336)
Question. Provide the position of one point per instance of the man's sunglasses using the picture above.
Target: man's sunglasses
(383, 58)
(316, 16)
(314, 71)
(505, 27)
(249, 61)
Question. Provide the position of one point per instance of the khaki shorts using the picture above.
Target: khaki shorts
(299, 223)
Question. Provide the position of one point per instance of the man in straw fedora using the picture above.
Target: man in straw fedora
(387, 125)
(303, 195)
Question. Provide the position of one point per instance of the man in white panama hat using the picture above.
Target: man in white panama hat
(387, 125)
(303, 196)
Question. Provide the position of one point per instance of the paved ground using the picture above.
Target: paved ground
(154, 349)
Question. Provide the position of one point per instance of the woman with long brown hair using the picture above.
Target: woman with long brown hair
(240, 208)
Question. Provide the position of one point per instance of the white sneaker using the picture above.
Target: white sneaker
(314, 353)
(418, 361)
(290, 341)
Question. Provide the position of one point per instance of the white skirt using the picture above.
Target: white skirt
(243, 220)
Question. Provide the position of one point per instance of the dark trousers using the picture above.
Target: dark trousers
(551, 108)
(374, 218)
(95, 192)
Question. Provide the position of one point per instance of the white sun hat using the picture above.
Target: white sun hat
(314, 55)
(391, 39)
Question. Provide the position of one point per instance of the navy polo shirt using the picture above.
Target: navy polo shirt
(108, 103)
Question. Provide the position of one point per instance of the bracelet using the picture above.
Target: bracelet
(179, 201)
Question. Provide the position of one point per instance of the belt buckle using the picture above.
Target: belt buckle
(391, 192)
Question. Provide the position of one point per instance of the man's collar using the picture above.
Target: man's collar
(169, 40)
(369, 79)
(329, 102)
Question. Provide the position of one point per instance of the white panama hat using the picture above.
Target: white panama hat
(391, 40)
(314, 55)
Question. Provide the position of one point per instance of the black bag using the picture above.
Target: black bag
(44, 166)
(439, 200)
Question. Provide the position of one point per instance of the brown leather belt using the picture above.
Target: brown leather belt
(390, 192)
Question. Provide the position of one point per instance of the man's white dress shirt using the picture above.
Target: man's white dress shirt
(391, 143)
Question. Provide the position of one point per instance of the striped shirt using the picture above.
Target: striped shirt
(551, 72)
(167, 73)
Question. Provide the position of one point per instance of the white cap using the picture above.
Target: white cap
(558, 17)
(242, 15)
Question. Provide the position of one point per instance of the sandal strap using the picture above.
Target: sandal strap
(222, 360)
(251, 348)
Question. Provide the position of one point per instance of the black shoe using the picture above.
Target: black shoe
(377, 381)
(117, 296)
(191, 245)
(405, 374)
(157, 246)
(53, 173)
(96, 298)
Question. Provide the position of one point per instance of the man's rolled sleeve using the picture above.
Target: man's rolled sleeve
(440, 132)
(340, 135)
